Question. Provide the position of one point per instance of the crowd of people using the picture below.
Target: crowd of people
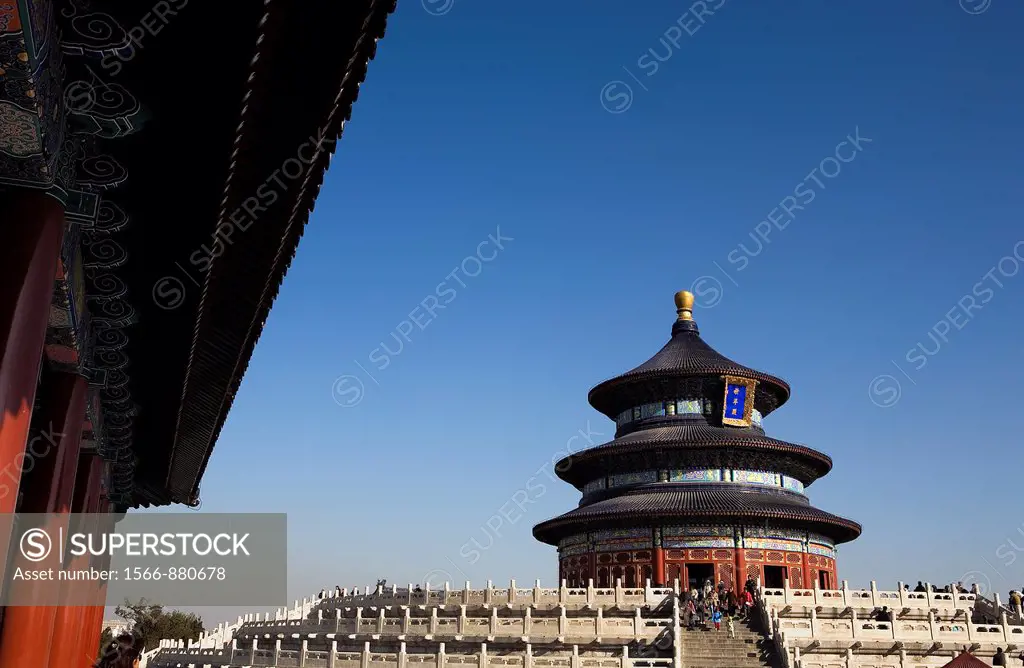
(711, 605)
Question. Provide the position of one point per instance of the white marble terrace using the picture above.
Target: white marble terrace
(814, 628)
(589, 627)
(538, 627)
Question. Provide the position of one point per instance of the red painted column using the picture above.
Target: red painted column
(33, 226)
(92, 623)
(659, 567)
(741, 569)
(66, 642)
(48, 486)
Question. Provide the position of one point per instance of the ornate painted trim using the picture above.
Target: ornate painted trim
(739, 476)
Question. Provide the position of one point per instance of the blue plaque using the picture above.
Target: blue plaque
(738, 406)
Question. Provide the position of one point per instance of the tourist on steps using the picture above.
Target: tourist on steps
(716, 617)
(1000, 658)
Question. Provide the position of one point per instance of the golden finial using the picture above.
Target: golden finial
(684, 305)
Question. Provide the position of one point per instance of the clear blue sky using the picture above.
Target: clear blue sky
(490, 116)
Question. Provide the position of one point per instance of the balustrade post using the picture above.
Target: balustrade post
(442, 659)
(433, 620)
(408, 594)
(928, 593)
(591, 594)
(903, 658)
(854, 623)
(332, 655)
(536, 592)
(380, 621)
(903, 598)
(402, 658)
(625, 656)
(364, 657)
(618, 591)
(846, 594)
(465, 593)
(849, 658)
(494, 621)
(528, 621)
(970, 629)
(483, 655)
(277, 651)
(406, 620)
(461, 628)
(511, 591)
(814, 622)
(528, 659)
(359, 619)
(563, 592)
(252, 651)
(600, 622)
(563, 621)
(874, 594)
(637, 625)
(817, 592)
(786, 595)
(931, 624)
(445, 601)
(303, 650)
(574, 661)
(489, 593)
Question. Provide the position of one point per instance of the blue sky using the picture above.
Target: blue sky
(485, 118)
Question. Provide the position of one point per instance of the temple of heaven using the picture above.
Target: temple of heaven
(691, 488)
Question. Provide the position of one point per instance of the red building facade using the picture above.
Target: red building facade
(134, 279)
(692, 488)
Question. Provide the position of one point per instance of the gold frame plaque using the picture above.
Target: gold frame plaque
(748, 409)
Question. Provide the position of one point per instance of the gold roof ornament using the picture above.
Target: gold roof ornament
(684, 305)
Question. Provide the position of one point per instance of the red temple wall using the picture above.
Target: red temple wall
(730, 565)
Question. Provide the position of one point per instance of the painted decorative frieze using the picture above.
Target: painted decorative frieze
(698, 475)
(621, 534)
(577, 539)
(792, 484)
(757, 478)
(821, 550)
(670, 407)
(634, 478)
(652, 410)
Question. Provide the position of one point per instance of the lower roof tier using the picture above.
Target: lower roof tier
(713, 502)
(683, 443)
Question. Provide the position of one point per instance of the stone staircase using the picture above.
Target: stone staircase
(704, 647)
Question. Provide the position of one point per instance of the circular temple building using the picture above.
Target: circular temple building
(691, 487)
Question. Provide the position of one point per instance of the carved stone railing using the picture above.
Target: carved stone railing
(925, 625)
(305, 658)
(587, 627)
(491, 595)
(769, 622)
(854, 629)
(868, 598)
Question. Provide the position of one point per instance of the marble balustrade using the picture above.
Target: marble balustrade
(175, 654)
